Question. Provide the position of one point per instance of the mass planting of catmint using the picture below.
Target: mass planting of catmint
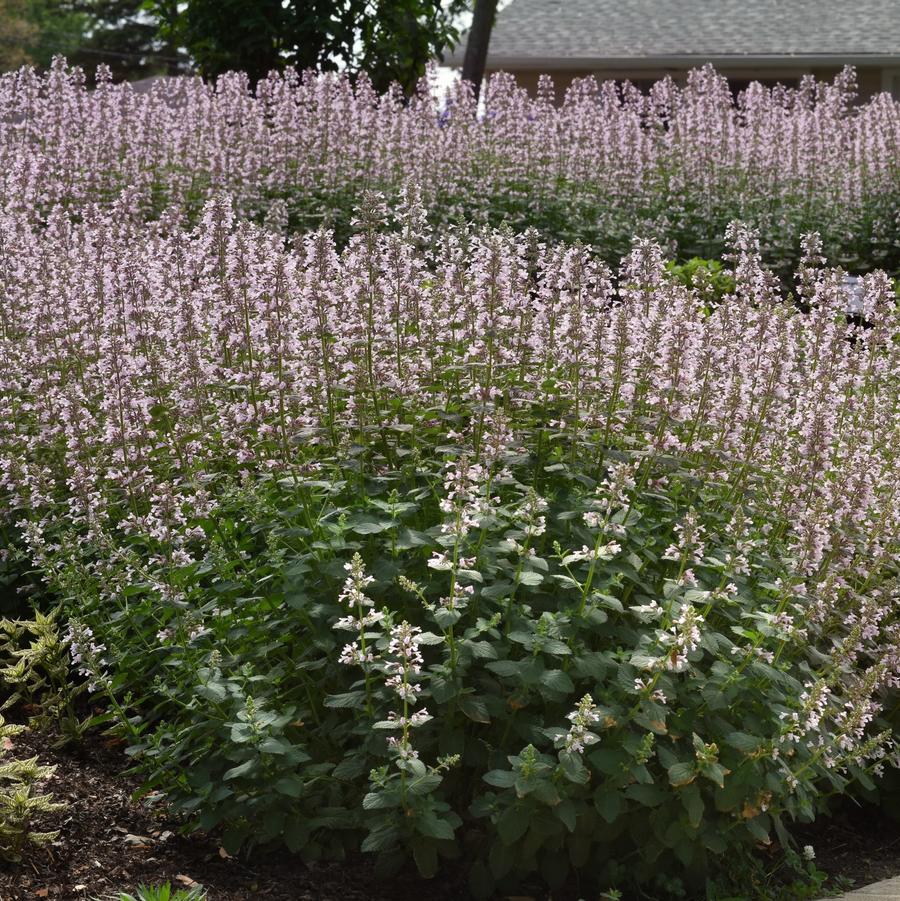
(676, 164)
(448, 542)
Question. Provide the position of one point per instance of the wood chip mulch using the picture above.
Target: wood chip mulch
(857, 844)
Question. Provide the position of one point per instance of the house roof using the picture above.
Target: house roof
(569, 34)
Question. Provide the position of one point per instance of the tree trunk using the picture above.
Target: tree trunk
(477, 43)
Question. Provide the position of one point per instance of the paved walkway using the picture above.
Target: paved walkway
(889, 890)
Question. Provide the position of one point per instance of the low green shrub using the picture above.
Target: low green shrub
(20, 805)
(610, 669)
(35, 673)
(707, 277)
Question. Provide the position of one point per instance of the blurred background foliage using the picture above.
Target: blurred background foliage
(391, 40)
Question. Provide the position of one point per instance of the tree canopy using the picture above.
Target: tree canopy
(391, 40)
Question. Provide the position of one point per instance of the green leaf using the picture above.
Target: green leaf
(573, 768)
(558, 681)
(234, 837)
(380, 839)
(595, 617)
(428, 638)
(292, 786)
(424, 784)
(212, 691)
(693, 804)
(297, 600)
(350, 768)
(546, 793)
(520, 636)
(473, 575)
(714, 772)
(784, 837)
(370, 526)
(731, 795)
(443, 690)
(414, 767)
(500, 778)
(635, 561)
(295, 835)
(345, 699)
(446, 617)
(272, 745)
(566, 581)
(590, 664)
(555, 647)
(501, 858)
(646, 795)
(644, 661)
(759, 827)
(652, 722)
(609, 761)
(565, 812)
(381, 800)
(241, 733)
(512, 824)
(683, 773)
(431, 825)
(408, 539)
(508, 669)
(480, 650)
(641, 774)
(241, 769)
(425, 856)
(497, 591)
(529, 577)
(475, 709)
(743, 742)
(714, 698)
(608, 601)
(609, 803)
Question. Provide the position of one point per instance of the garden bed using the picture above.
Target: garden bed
(433, 543)
(110, 842)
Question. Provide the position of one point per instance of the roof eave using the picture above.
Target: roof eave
(549, 64)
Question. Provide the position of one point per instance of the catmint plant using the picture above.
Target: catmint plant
(453, 543)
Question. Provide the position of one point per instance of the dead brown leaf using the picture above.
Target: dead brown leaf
(138, 841)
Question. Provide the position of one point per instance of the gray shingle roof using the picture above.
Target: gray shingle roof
(568, 30)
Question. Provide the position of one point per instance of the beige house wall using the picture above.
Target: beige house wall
(870, 80)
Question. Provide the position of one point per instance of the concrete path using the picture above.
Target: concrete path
(889, 890)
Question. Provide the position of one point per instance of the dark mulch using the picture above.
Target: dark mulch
(108, 842)
(858, 843)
